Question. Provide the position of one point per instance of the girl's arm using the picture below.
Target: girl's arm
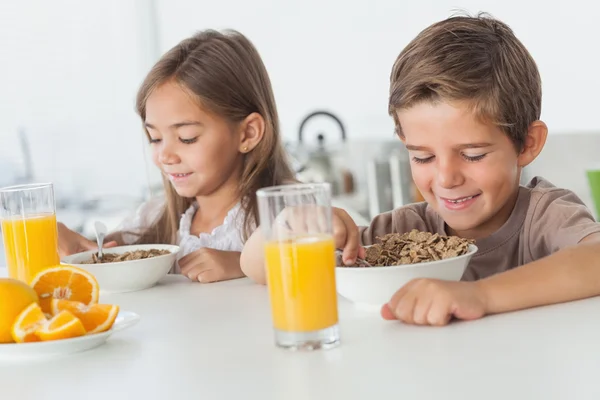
(70, 242)
(252, 259)
(345, 233)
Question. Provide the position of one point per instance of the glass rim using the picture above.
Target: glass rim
(24, 187)
(295, 188)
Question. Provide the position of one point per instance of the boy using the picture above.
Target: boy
(465, 96)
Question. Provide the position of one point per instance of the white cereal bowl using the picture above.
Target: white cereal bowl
(371, 287)
(127, 276)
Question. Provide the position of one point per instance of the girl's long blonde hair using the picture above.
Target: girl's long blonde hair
(226, 73)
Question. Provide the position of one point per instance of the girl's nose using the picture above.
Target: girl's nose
(167, 154)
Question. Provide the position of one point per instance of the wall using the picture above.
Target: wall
(71, 69)
(338, 54)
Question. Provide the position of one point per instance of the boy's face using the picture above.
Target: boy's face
(468, 171)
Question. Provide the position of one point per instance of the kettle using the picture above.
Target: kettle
(318, 165)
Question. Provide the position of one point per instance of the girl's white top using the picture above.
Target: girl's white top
(226, 237)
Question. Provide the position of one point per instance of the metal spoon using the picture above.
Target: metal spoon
(100, 229)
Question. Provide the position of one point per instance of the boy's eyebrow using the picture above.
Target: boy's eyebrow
(474, 145)
(460, 146)
(176, 125)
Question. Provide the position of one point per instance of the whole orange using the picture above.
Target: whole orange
(15, 296)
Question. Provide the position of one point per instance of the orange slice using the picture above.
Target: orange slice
(28, 321)
(65, 282)
(63, 325)
(95, 317)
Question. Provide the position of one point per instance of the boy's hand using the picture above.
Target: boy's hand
(345, 234)
(435, 302)
(210, 265)
(311, 219)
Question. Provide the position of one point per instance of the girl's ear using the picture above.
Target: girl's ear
(252, 131)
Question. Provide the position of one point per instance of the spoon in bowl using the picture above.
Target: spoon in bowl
(100, 229)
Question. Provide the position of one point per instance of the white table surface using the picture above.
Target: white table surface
(215, 342)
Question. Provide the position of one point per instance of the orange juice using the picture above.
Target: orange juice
(301, 278)
(31, 244)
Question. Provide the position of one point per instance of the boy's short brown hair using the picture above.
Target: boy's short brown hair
(475, 59)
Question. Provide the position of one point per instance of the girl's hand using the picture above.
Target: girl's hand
(210, 265)
(435, 302)
(70, 242)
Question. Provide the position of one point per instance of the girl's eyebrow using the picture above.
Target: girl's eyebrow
(176, 125)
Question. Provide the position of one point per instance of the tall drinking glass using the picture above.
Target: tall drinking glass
(29, 231)
(296, 221)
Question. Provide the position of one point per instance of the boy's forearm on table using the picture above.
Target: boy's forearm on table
(567, 275)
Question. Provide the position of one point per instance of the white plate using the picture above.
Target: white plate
(125, 319)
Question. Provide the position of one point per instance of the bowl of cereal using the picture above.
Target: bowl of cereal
(127, 268)
(399, 258)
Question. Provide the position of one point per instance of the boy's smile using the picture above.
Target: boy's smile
(468, 170)
(459, 203)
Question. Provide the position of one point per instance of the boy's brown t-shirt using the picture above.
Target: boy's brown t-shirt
(544, 220)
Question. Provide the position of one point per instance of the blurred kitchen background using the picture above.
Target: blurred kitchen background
(70, 70)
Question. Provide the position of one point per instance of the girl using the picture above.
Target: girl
(209, 113)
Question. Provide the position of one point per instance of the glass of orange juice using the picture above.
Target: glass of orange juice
(28, 216)
(296, 221)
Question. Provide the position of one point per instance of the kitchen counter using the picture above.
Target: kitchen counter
(215, 342)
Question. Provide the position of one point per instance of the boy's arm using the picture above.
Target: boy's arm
(570, 274)
(563, 227)
(564, 240)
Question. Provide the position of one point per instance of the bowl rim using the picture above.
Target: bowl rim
(174, 249)
(472, 250)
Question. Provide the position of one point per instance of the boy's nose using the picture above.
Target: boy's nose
(449, 174)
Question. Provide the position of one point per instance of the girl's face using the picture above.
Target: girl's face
(197, 150)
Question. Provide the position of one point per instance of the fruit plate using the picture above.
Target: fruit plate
(124, 320)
